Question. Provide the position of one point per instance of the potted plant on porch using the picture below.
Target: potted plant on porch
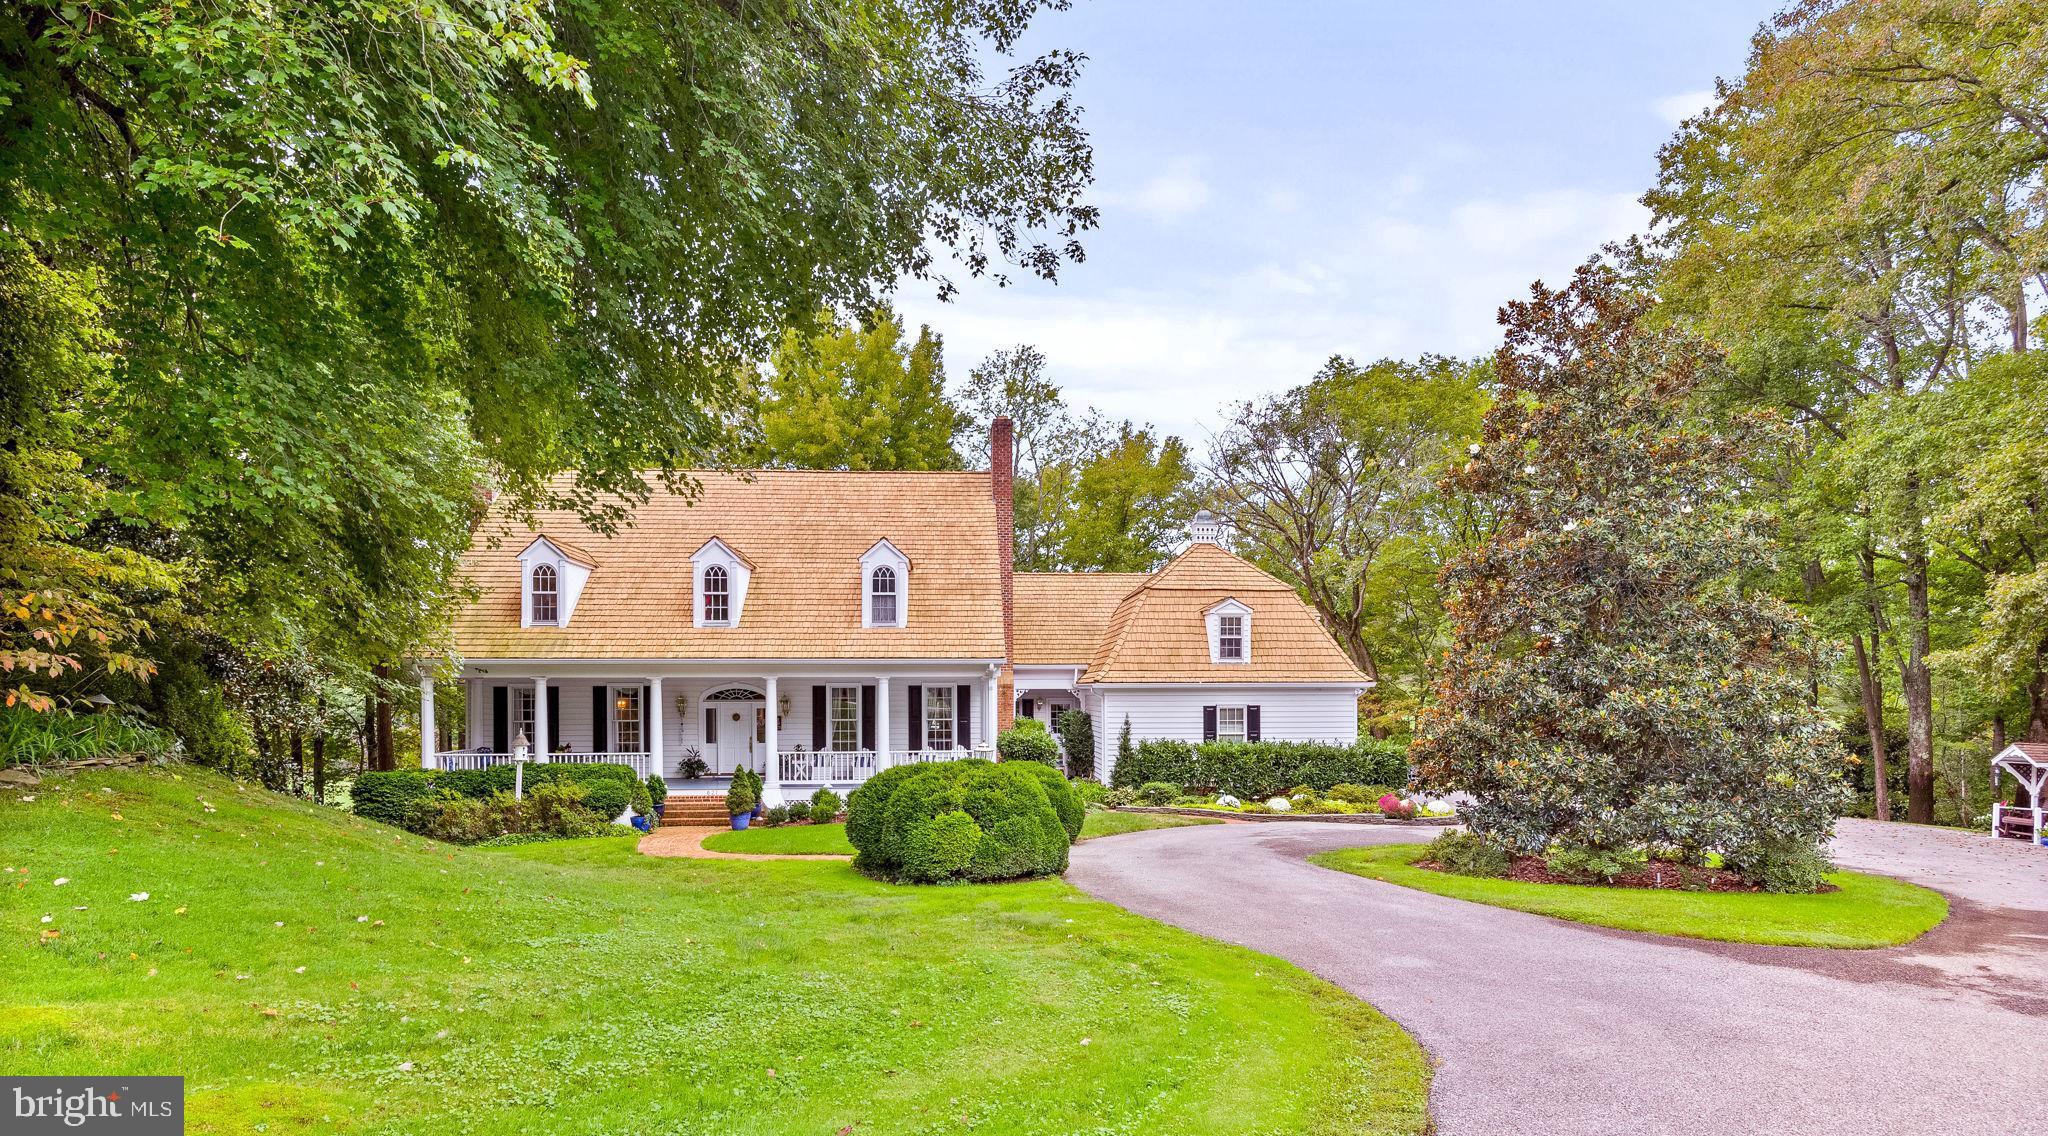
(741, 801)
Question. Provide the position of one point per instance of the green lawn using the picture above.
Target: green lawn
(306, 971)
(1101, 823)
(1868, 911)
(784, 840)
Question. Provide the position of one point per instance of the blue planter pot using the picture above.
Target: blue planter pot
(642, 824)
(741, 821)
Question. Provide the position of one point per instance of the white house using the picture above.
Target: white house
(818, 626)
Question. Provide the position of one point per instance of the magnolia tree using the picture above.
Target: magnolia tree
(1611, 687)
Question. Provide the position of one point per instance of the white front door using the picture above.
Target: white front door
(738, 727)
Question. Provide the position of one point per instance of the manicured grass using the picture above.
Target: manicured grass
(304, 970)
(1100, 823)
(1868, 911)
(784, 840)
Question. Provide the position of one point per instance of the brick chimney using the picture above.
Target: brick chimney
(1002, 472)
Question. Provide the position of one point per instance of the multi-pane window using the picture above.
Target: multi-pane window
(626, 721)
(938, 717)
(882, 598)
(717, 595)
(544, 594)
(522, 718)
(842, 712)
(1230, 724)
(1230, 638)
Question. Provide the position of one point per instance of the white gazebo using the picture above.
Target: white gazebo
(2027, 762)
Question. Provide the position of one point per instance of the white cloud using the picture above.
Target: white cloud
(1202, 324)
(1167, 196)
(1675, 109)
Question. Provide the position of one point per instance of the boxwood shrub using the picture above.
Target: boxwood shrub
(958, 820)
(1257, 770)
(389, 796)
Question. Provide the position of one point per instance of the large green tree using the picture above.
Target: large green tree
(858, 398)
(1610, 685)
(1333, 487)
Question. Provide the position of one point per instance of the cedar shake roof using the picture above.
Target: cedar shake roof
(1061, 615)
(802, 533)
(1160, 633)
(573, 552)
(2036, 752)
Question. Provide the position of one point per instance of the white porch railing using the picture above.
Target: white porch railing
(821, 767)
(642, 763)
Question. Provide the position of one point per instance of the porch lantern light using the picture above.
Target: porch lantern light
(520, 757)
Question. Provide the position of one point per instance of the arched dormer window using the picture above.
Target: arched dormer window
(882, 597)
(717, 596)
(545, 594)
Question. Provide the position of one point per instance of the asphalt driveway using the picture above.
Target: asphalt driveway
(1547, 1027)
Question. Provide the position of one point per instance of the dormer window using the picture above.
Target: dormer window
(717, 596)
(885, 586)
(1230, 632)
(720, 576)
(1230, 638)
(882, 597)
(545, 594)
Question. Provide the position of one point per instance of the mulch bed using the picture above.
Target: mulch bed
(1656, 874)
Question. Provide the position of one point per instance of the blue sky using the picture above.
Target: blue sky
(1284, 181)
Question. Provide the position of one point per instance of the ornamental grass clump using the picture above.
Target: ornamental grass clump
(1612, 685)
(962, 820)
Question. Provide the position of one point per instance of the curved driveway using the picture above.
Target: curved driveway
(1547, 1027)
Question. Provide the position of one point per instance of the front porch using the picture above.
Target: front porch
(830, 724)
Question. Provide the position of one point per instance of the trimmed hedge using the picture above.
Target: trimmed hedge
(1028, 740)
(1257, 770)
(1066, 804)
(965, 820)
(389, 796)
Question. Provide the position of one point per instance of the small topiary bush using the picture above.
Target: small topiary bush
(1028, 740)
(825, 806)
(657, 791)
(606, 797)
(1158, 793)
(1468, 854)
(1066, 804)
(1077, 736)
(965, 820)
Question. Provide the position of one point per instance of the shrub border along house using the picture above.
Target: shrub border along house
(1258, 770)
(394, 796)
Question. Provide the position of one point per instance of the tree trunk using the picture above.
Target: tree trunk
(1916, 688)
(387, 755)
(2037, 703)
(1873, 720)
(298, 760)
(319, 769)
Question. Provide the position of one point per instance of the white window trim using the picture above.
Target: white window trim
(1214, 618)
(952, 719)
(554, 595)
(831, 693)
(620, 718)
(723, 576)
(570, 576)
(1244, 723)
(884, 555)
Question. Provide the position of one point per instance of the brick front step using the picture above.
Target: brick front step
(695, 809)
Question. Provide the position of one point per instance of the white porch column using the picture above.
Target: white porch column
(427, 720)
(988, 729)
(539, 740)
(881, 722)
(655, 764)
(771, 776)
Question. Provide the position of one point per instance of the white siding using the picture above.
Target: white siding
(1294, 714)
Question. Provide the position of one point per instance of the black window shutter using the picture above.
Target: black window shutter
(963, 714)
(600, 722)
(1251, 723)
(867, 717)
(554, 718)
(646, 719)
(1027, 709)
(1208, 723)
(821, 732)
(711, 725)
(501, 720)
(915, 732)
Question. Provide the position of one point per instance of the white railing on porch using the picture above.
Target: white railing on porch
(642, 763)
(818, 767)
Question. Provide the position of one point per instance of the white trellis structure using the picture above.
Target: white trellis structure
(2026, 763)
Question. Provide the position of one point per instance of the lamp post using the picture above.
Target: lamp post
(519, 760)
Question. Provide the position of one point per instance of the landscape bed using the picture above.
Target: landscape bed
(307, 969)
(1863, 911)
(1326, 818)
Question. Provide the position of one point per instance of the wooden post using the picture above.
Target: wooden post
(771, 776)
